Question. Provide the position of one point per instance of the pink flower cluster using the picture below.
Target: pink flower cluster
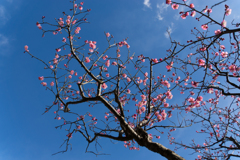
(39, 25)
(77, 30)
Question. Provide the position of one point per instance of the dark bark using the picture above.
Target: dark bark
(145, 141)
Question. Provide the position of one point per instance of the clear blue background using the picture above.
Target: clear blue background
(28, 135)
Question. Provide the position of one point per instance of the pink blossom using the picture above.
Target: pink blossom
(124, 75)
(155, 60)
(107, 63)
(200, 98)
(191, 5)
(107, 34)
(202, 49)
(72, 72)
(232, 68)
(191, 100)
(209, 10)
(52, 84)
(128, 79)
(201, 62)
(104, 86)
(39, 25)
(69, 86)
(217, 32)
(159, 117)
(228, 11)
(55, 61)
(58, 49)
(69, 135)
(168, 67)
(194, 84)
(54, 33)
(41, 78)
(44, 83)
(169, 94)
(188, 109)
(224, 54)
(61, 23)
(166, 105)
(143, 97)
(193, 13)
(164, 115)
(56, 55)
(183, 16)
(68, 21)
(92, 45)
(168, 1)
(210, 90)
(26, 48)
(165, 83)
(87, 60)
(175, 6)
(77, 30)
(80, 8)
(224, 23)
(204, 26)
(146, 74)
(114, 63)
(222, 46)
(143, 109)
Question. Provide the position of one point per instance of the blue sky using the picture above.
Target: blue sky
(26, 133)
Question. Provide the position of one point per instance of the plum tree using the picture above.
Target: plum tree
(132, 99)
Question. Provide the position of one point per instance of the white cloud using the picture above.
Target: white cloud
(169, 30)
(161, 9)
(3, 15)
(3, 40)
(4, 45)
(147, 3)
(159, 17)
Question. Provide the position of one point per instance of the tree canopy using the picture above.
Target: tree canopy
(114, 93)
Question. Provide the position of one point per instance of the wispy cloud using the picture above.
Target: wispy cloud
(169, 30)
(3, 40)
(4, 44)
(4, 17)
(161, 9)
(147, 3)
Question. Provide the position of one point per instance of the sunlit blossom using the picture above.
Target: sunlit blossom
(175, 6)
(204, 26)
(224, 23)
